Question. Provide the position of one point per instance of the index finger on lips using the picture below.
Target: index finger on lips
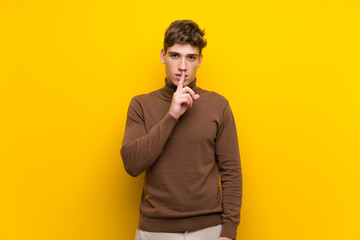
(181, 81)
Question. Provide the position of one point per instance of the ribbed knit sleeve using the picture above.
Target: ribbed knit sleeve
(140, 149)
(228, 157)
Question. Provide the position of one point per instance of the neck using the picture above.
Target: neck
(170, 88)
(191, 85)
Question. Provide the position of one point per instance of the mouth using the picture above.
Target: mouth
(178, 76)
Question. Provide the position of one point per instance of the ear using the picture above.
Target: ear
(162, 56)
(200, 59)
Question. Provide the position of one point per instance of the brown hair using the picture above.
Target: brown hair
(183, 32)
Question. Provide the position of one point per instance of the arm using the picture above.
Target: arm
(140, 149)
(228, 157)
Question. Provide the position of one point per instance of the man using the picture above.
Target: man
(184, 137)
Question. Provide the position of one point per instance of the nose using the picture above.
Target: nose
(182, 64)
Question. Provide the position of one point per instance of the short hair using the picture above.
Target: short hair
(183, 32)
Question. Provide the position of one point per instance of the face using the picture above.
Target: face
(181, 58)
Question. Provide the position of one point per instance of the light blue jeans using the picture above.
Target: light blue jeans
(211, 233)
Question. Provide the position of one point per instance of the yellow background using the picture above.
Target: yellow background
(68, 70)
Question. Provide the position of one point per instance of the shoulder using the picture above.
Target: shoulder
(219, 97)
(146, 97)
(213, 98)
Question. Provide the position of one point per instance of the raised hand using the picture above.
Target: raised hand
(182, 98)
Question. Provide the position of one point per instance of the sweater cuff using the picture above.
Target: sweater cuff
(228, 230)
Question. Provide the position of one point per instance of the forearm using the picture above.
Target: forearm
(231, 184)
(140, 152)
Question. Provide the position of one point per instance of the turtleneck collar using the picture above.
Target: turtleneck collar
(170, 88)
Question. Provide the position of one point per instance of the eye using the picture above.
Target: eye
(192, 57)
(173, 55)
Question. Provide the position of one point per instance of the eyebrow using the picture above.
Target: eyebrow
(190, 55)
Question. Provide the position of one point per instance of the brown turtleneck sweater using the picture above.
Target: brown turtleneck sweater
(183, 159)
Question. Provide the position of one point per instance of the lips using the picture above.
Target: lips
(179, 75)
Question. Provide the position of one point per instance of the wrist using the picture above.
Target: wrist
(174, 115)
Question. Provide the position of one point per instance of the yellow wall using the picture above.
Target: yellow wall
(68, 69)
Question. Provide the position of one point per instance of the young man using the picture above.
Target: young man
(184, 137)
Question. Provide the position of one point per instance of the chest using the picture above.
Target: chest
(197, 125)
